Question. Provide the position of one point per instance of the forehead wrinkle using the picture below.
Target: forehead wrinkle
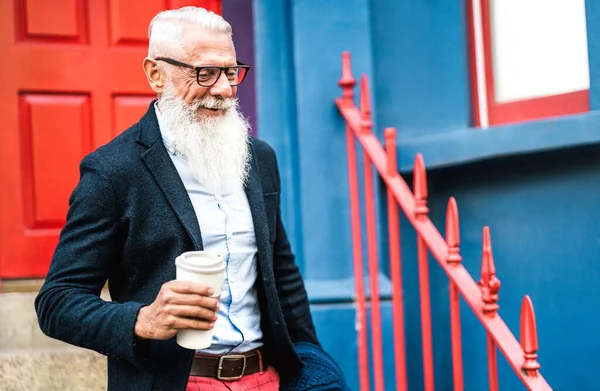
(203, 47)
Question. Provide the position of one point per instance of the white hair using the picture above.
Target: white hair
(167, 27)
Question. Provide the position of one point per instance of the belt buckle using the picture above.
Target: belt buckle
(231, 356)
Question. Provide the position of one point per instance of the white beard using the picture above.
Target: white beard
(216, 148)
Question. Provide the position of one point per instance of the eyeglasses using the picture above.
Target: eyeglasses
(207, 76)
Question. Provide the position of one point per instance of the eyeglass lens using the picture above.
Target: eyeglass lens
(209, 76)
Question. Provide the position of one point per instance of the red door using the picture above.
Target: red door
(70, 79)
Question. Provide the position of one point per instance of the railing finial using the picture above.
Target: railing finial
(347, 81)
(420, 186)
(365, 106)
(452, 233)
(529, 340)
(489, 283)
(390, 148)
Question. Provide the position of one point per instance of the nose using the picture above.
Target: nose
(222, 88)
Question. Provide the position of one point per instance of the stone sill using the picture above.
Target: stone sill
(469, 145)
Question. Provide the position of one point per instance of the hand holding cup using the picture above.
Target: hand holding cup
(179, 305)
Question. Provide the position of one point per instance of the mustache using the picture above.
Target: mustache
(214, 103)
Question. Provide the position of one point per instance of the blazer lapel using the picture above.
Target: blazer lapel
(160, 165)
(257, 208)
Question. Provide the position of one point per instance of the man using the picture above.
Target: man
(186, 177)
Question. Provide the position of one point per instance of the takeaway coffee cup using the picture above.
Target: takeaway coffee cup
(204, 268)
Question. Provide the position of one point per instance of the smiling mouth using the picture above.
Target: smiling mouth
(210, 108)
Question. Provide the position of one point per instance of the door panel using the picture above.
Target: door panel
(57, 20)
(128, 110)
(49, 141)
(71, 80)
(124, 28)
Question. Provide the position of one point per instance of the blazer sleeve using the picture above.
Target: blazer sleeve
(289, 283)
(68, 305)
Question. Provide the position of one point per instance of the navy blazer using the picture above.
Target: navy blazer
(129, 217)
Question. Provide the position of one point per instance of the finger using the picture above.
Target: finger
(190, 287)
(175, 298)
(190, 311)
(180, 323)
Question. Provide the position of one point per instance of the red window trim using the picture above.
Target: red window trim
(517, 111)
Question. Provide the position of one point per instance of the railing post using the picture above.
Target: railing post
(421, 211)
(365, 109)
(529, 340)
(365, 128)
(454, 259)
(489, 285)
(395, 265)
(390, 149)
(347, 82)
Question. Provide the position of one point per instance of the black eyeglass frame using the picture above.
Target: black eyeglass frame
(199, 68)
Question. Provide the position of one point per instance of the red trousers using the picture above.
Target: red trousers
(260, 381)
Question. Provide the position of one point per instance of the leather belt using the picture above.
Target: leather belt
(227, 367)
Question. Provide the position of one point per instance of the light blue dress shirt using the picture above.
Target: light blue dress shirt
(227, 229)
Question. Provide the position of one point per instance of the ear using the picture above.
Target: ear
(155, 77)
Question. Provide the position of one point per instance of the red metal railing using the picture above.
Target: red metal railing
(482, 297)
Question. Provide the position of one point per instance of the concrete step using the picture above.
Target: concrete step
(62, 368)
(31, 361)
(18, 322)
(19, 325)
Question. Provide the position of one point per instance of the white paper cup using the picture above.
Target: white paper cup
(205, 268)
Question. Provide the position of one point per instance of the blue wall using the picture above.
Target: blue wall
(534, 183)
(545, 222)
(421, 71)
(296, 83)
(298, 56)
